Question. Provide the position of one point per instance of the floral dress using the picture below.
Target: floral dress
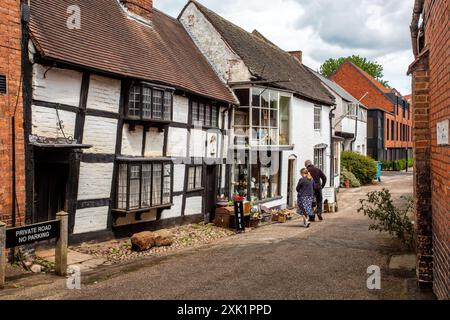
(305, 197)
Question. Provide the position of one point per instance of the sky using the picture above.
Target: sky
(322, 29)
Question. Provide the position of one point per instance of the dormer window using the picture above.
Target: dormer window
(149, 103)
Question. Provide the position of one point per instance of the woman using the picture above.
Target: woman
(305, 196)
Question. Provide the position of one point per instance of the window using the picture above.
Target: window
(285, 103)
(195, 178)
(352, 110)
(319, 158)
(144, 185)
(2, 84)
(388, 127)
(204, 114)
(148, 103)
(264, 113)
(265, 175)
(317, 118)
(392, 130)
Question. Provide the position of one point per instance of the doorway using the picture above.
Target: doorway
(291, 186)
(50, 186)
(210, 191)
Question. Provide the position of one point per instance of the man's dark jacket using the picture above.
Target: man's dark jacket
(320, 178)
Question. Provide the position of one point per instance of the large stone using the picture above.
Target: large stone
(143, 241)
(36, 268)
(163, 238)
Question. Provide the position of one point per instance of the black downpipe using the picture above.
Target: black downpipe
(13, 202)
(332, 115)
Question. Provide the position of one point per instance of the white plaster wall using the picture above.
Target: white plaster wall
(154, 143)
(132, 141)
(101, 133)
(91, 219)
(193, 206)
(95, 180)
(197, 143)
(361, 137)
(175, 211)
(303, 135)
(180, 109)
(44, 122)
(225, 61)
(58, 86)
(178, 174)
(177, 142)
(104, 94)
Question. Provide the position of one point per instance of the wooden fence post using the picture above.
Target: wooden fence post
(2, 254)
(61, 244)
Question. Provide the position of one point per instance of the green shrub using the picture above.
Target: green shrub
(410, 162)
(364, 168)
(386, 165)
(346, 175)
(379, 207)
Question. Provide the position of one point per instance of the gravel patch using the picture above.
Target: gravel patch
(189, 236)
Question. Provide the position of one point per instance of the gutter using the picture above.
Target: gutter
(418, 8)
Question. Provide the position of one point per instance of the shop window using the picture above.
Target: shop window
(204, 114)
(265, 110)
(319, 156)
(265, 179)
(195, 178)
(317, 118)
(148, 103)
(285, 103)
(144, 185)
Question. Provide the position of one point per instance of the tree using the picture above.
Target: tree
(373, 68)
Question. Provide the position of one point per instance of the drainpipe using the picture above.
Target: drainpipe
(331, 117)
(13, 170)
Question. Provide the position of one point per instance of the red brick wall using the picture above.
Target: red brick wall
(437, 35)
(357, 85)
(10, 65)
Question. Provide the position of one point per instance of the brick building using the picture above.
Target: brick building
(389, 120)
(430, 31)
(11, 111)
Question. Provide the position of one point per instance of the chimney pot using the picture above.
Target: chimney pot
(142, 8)
(297, 55)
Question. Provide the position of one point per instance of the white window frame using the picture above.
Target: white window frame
(317, 118)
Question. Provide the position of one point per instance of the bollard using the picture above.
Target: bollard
(2, 254)
(61, 244)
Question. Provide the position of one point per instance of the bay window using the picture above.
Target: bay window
(149, 103)
(144, 185)
(195, 178)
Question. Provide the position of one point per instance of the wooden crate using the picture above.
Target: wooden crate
(222, 220)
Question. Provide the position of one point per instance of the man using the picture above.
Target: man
(320, 180)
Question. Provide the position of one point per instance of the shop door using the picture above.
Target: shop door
(50, 190)
(211, 191)
(291, 184)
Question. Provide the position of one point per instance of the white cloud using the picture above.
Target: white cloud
(376, 29)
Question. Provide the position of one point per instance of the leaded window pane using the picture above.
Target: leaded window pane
(208, 115)
(122, 187)
(146, 185)
(157, 187)
(134, 102)
(167, 105)
(198, 177)
(214, 118)
(167, 188)
(191, 178)
(146, 102)
(157, 104)
(134, 186)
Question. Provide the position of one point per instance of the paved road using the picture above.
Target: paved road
(285, 261)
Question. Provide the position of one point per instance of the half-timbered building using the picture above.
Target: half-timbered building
(126, 122)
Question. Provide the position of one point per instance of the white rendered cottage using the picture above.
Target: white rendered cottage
(283, 117)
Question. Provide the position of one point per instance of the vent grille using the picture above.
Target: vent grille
(2, 84)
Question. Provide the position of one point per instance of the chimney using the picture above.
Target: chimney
(142, 8)
(297, 55)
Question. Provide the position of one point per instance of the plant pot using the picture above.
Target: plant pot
(347, 184)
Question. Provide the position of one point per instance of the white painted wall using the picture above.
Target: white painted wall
(197, 143)
(91, 219)
(56, 85)
(177, 142)
(132, 141)
(44, 122)
(101, 133)
(175, 211)
(193, 206)
(180, 109)
(95, 180)
(104, 94)
(226, 62)
(154, 143)
(178, 174)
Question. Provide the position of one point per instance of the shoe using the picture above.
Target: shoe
(306, 224)
(312, 219)
(320, 217)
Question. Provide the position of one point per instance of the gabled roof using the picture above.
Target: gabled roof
(337, 88)
(110, 41)
(360, 84)
(266, 61)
